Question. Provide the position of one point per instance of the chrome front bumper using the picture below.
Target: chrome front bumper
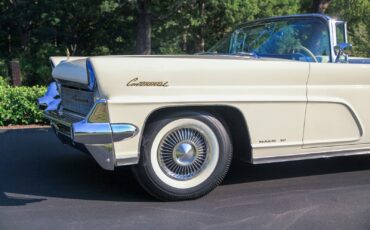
(95, 133)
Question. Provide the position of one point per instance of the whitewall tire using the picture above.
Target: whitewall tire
(183, 156)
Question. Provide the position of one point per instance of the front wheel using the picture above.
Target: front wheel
(183, 156)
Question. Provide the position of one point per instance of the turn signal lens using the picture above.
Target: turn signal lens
(99, 114)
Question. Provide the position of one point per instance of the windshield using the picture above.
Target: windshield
(295, 39)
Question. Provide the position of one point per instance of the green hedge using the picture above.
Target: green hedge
(18, 104)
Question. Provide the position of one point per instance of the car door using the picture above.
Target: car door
(338, 108)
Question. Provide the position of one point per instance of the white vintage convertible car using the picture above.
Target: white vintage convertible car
(276, 89)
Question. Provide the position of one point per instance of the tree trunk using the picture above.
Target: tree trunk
(200, 43)
(185, 42)
(144, 27)
(9, 42)
(320, 6)
(15, 72)
(25, 39)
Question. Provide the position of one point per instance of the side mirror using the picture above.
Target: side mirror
(342, 51)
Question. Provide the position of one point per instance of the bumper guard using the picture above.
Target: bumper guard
(94, 132)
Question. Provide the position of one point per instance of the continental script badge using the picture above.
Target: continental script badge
(138, 83)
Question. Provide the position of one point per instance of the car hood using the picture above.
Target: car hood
(74, 68)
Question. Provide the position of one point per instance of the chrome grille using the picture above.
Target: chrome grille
(77, 100)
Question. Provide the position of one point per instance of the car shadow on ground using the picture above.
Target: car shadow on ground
(243, 172)
(34, 165)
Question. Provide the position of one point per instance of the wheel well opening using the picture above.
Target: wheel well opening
(230, 116)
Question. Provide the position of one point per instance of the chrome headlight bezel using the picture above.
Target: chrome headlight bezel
(91, 79)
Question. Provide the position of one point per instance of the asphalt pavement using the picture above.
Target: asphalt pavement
(46, 185)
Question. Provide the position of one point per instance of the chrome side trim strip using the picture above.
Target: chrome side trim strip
(101, 133)
(91, 133)
(296, 157)
(123, 131)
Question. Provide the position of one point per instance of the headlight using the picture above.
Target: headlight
(90, 75)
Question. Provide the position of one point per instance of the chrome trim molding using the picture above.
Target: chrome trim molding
(308, 156)
(101, 133)
(91, 133)
(123, 131)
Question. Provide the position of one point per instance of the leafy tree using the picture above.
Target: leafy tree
(198, 24)
(357, 13)
(47, 28)
(33, 30)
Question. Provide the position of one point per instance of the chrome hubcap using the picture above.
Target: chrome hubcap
(182, 153)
